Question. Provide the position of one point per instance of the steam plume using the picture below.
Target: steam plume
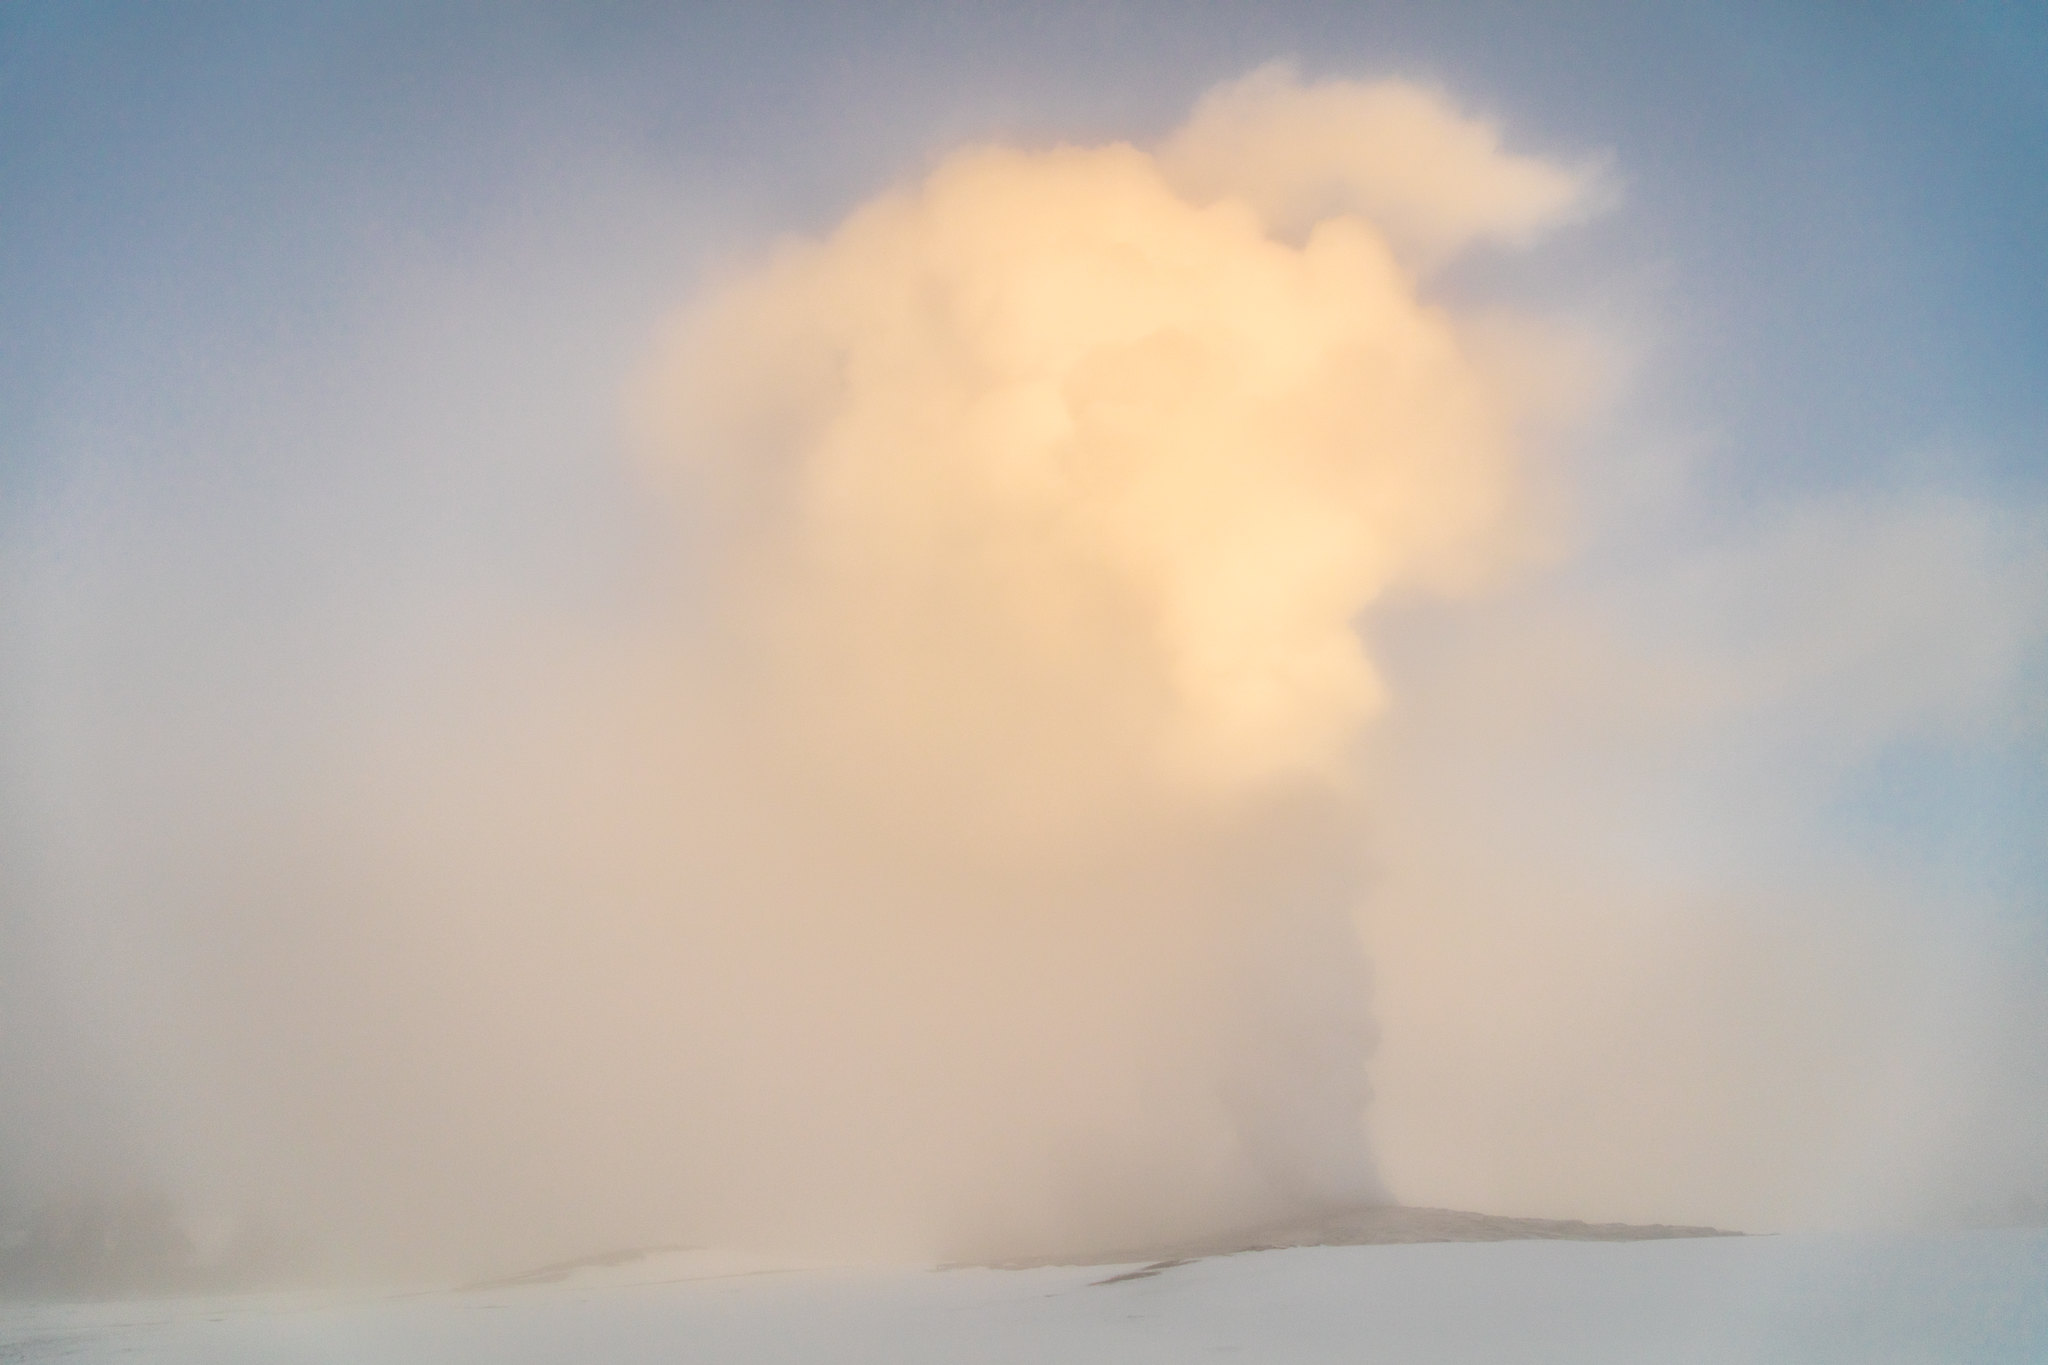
(967, 865)
(1053, 489)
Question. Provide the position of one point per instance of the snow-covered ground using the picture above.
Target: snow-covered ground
(1966, 1296)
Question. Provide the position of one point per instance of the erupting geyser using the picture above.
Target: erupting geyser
(959, 857)
(1046, 496)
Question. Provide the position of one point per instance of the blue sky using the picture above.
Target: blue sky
(317, 321)
(1862, 185)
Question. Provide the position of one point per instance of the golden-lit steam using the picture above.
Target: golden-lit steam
(1430, 181)
(1045, 496)
(1072, 458)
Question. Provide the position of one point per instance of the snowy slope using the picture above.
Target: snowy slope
(1977, 1296)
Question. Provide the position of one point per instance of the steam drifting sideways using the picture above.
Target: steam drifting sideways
(1049, 492)
(963, 861)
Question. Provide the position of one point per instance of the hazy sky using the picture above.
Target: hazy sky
(1702, 858)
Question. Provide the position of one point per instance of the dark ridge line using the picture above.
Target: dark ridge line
(1365, 1225)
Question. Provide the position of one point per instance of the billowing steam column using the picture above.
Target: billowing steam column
(1042, 500)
